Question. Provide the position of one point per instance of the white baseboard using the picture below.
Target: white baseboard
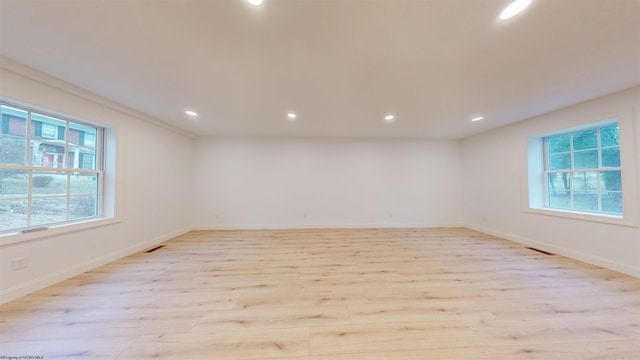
(577, 255)
(42, 282)
(325, 226)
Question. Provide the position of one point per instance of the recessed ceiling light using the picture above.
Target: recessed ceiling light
(255, 2)
(191, 113)
(514, 9)
(389, 118)
(477, 118)
(292, 116)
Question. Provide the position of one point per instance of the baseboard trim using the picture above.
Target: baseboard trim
(325, 226)
(42, 282)
(577, 255)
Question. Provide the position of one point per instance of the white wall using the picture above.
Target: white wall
(297, 183)
(495, 187)
(154, 170)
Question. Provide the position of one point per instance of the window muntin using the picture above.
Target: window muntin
(582, 171)
(50, 170)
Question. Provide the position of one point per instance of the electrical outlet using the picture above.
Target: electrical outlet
(19, 264)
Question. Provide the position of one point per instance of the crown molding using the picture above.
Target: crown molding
(41, 77)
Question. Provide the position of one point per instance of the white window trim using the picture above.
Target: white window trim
(54, 230)
(533, 187)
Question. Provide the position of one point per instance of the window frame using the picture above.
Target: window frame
(103, 214)
(573, 170)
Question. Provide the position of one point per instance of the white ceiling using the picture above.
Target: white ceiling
(341, 65)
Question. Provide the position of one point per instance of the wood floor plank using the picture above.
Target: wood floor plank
(232, 345)
(349, 294)
(603, 350)
(396, 336)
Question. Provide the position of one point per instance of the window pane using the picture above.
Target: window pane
(611, 180)
(611, 157)
(558, 181)
(13, 214)
(50, 210)
(87, 161)
(584, 181)
(90, 138)
(559, 200)
(12, 151)
(84, 184)
(82, 146)
(47, 155)
(14, 183)
(586, 201)
(612, 202)
(49, 183)
(585, 159)
(559, 161)
(14, 121)
(609, 136)
(82, 160)
(71, 159)
(74, 136)
(82, 135)
(587, 139)
(559, 143)
(83, 206)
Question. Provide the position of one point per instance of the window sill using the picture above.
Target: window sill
(601, 218)
(17, 237)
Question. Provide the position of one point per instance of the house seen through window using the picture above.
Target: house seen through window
(50, 169)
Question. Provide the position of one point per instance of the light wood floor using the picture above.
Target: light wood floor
(332, 294)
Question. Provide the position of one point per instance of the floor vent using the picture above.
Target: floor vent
(540, 251)
(155, 248)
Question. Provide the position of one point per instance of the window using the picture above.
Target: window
(51, 170)
(579, 170)
(583, 170)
